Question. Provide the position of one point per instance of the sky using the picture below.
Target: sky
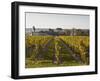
(64, 21)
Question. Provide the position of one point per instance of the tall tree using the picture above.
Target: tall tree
(34, 28)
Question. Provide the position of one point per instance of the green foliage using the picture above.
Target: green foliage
(80, 45)
(46, 51)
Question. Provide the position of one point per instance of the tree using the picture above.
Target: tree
(59, 29)
(34, 28)
(51, 30)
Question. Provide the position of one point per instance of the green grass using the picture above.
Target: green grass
(48, 63)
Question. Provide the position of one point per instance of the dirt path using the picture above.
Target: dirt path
(45, 47)
(75, 56)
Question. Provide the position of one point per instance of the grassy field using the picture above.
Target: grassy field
(48, 63)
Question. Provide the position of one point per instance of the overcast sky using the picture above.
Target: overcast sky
(64, 21)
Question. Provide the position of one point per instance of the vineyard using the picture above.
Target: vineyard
(48, 51)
